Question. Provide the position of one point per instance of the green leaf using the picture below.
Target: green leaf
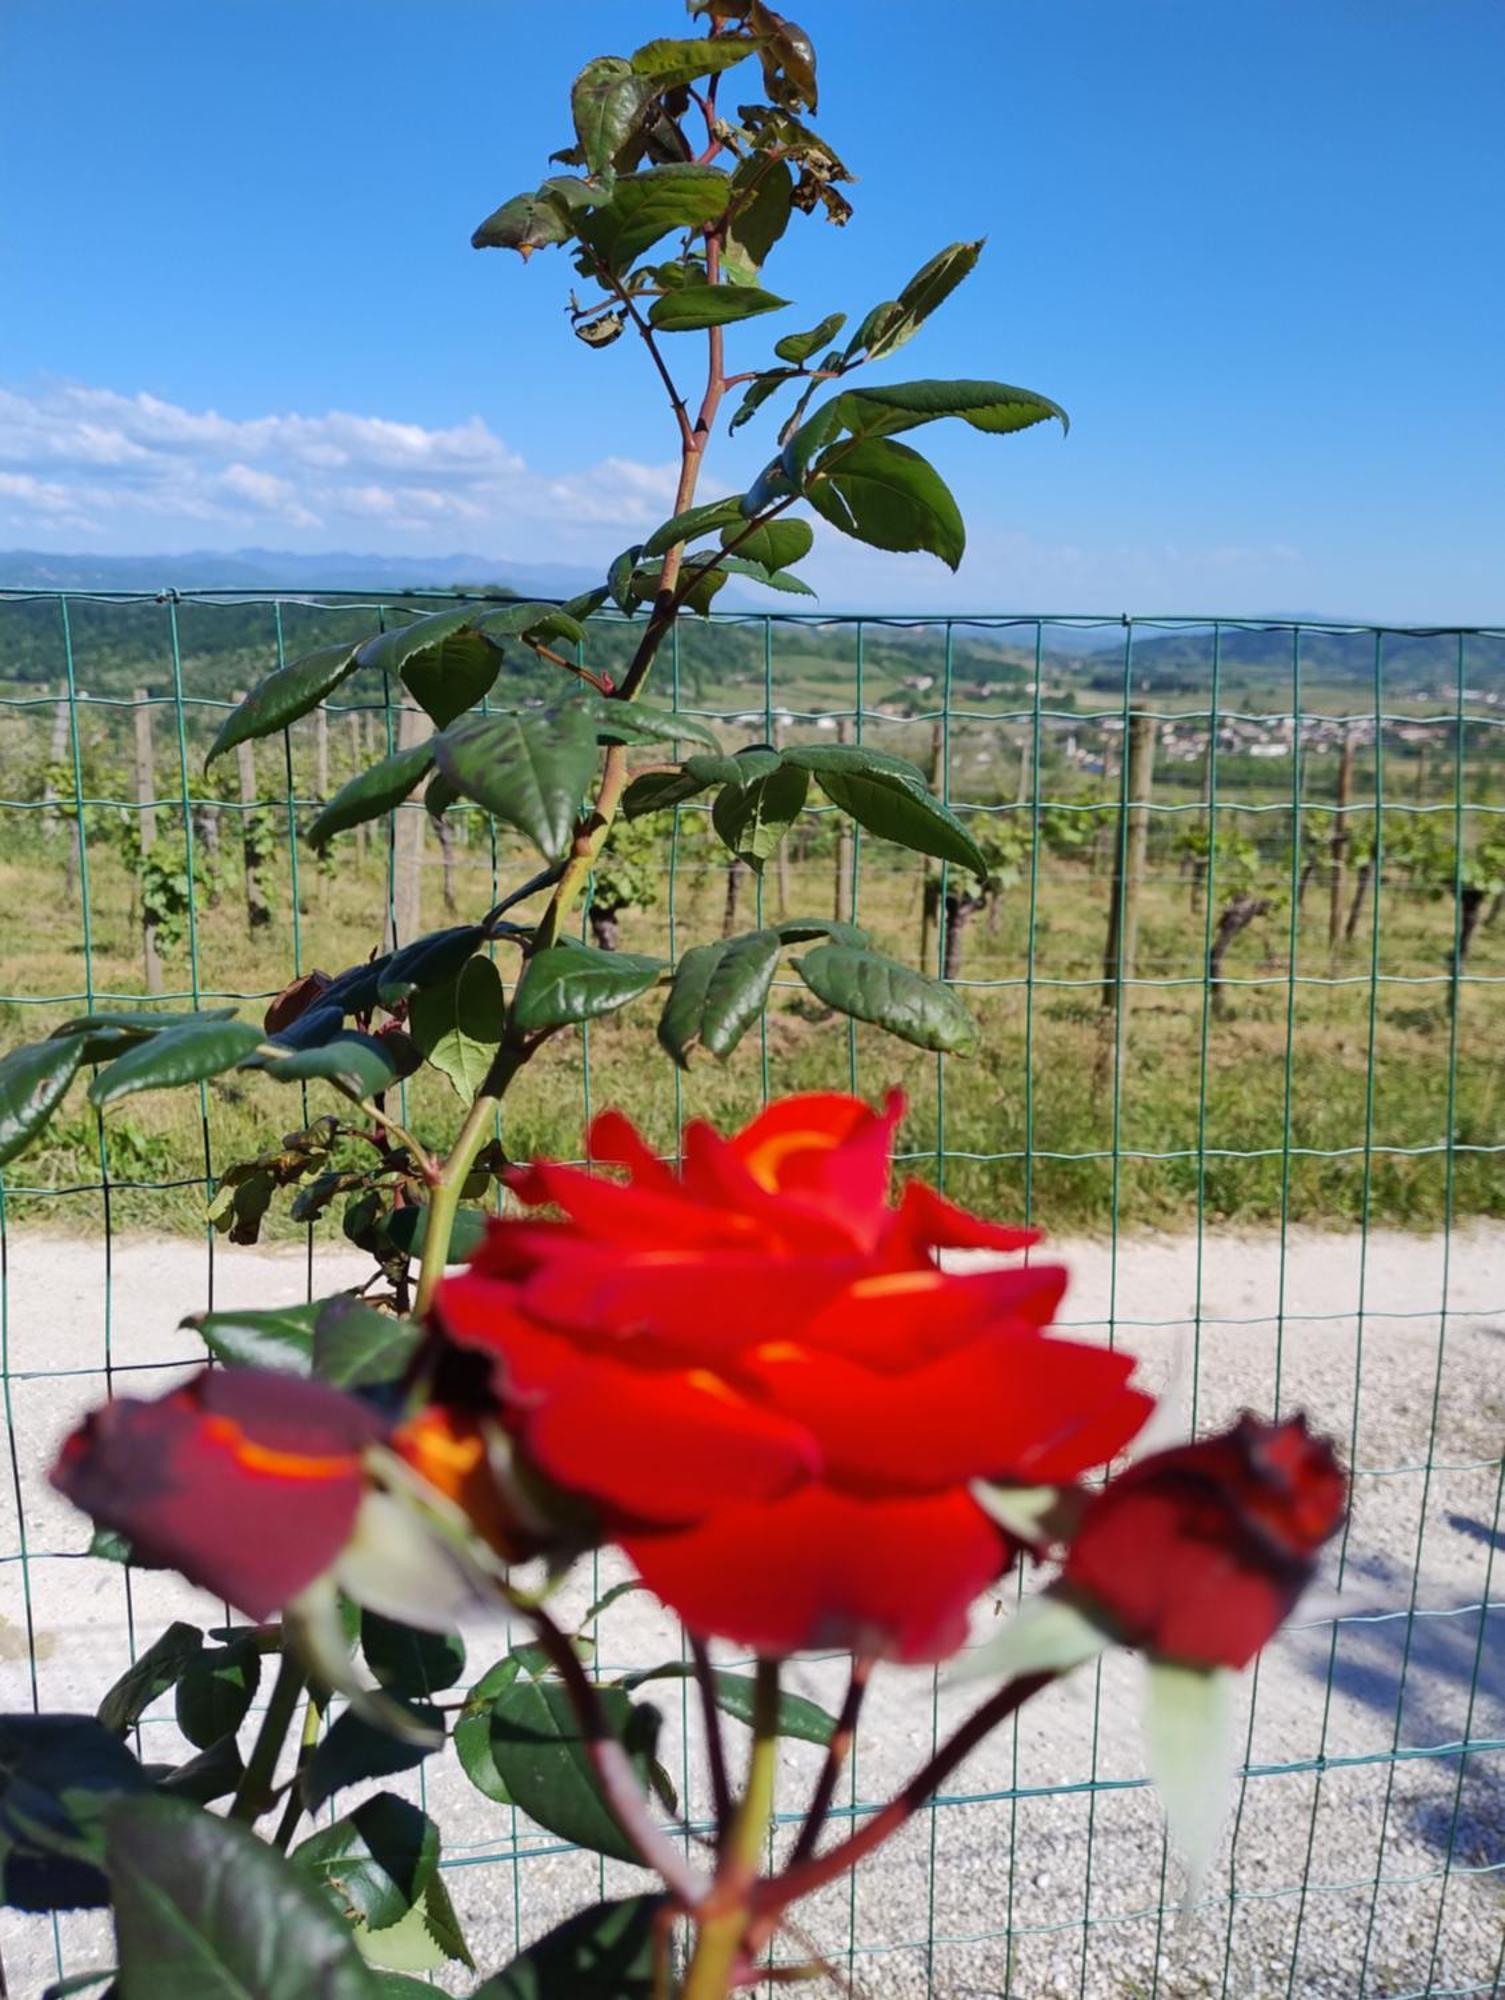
(376, 1862)
(798, 347)
(428, 961)
(422, 1940)
(757, 394)
(619, 577)
(888, 804)
(472, 1733)
(761, 198)
(1188, 1725)
(839, 759)
(160, 1667)
(719, 990)
(888, 326)
(693, 523)
(406, 1228)
(58, 1776)
(774, 544)
(280, 1337)
(886, 495)
(532, 618)
(216, 1691)
(572, 982)
(799, 930)
(804, 1720)
(531, 771)
(656, 791)
(204, 1908)
(445, 661)
(668, 63)
(33, 1081)
(771, 579)
(753, 819)
(357, 1347)
(374, 792)
(283, 696)
(214, 1774)
(108, 1546)
(186, 1054)
(1048, 1634)
(458, 1027)
(359, 1063)
(995, 407)
(607, 100)
(355, 1750)
(603, 1953)
(646, 206)
(696, 306)
(647, 722)
(529, 222)
(408, 1661)
(877, 989)
(754, 761)
(542, 1760)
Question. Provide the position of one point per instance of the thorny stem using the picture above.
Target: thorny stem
(837, 1752)
(715, 1742)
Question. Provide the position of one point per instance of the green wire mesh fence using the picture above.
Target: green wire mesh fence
(1237, 969)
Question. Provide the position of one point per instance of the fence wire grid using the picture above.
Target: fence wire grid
(1237, 970)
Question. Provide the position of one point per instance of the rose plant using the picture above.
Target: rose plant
(750, 1372)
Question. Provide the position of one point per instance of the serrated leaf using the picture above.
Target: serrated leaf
(216, 1691)
(529, 222)
(375, 1862)
(203, 1907)
(379, 790)
(873, 988)
(693, 523)
(649, 205)
(1048, 1634)
(669, 63)
(603, 1953)
(995, 407)
(755, 396)
(719, 990)
(745, 767)
(773, 544)
(189, 1053)
(889, 326)
(759, 215)
(607, 99)
(359, 1063)
(805, 1721)
(159, 1668)
(428, 961)
(422, 1940)
(407, 1661)
(798, 347)
(1188, 1723)
(657, 791)
(694, 306)
(888, 803)
(531, 771)
(771, 579)
(458, 1027)
(283, 696)
(280, 1337)
(752, 819)
(34, 1079)
(542, 1759)
(647, 722)
(888, 496)
(573, 982)
(446, 661)
(357, 1347)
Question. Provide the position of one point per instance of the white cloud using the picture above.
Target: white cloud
(99, 461)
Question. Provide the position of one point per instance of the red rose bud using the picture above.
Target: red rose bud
(756, 1374)
(246, 1481)
(1198, 1554)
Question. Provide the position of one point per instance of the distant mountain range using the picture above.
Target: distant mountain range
(280, 569)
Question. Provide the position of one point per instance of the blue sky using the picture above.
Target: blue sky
(1257, 251)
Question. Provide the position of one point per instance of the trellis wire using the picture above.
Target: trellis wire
(1469, 717)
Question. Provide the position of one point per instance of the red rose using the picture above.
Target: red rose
(772, 1396)
(246, 1481)
(1198, 1554)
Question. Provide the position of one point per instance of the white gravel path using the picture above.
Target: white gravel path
(992, 1896)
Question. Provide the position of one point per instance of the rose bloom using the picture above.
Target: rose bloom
(1198, 1554)
(773, 1397)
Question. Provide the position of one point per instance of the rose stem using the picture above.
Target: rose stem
(253, 1794)
(723, 1917)
(313, 1717)
(771, 1896)
(715, 1743)
(837, 1752)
